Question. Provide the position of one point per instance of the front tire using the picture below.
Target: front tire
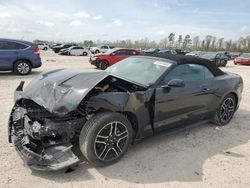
(105, 138)
(22, 67)
(225, 111)
(103, 65)
(84, 53)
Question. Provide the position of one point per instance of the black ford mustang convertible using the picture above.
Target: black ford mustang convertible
(103, 112)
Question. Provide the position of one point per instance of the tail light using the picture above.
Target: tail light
(36, 50)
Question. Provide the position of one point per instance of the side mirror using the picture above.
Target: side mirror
(176, 83)
(112, 54)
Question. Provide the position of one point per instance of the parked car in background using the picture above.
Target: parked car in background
(78, 50)
(63, 51)
(220, 59)
(103, 61)
(43, 46)
(101, 49)
(235, 54)
(167, 51)
(195, 53)
(243, 59)
(74, 50)
(180, 52)
(153, 50)
(19, 56)
(228, 54)
(55, 45)
(63, 46)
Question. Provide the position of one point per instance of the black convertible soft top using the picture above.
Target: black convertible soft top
(182, 59)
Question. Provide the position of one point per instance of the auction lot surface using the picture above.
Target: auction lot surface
(205, 156)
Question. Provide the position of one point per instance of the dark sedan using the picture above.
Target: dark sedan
(218, 58)
(56, 49)
(103, 112)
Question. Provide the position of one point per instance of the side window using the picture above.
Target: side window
(218, 56)
(77, 48)
(121, 52)
(189, 73)
(129, 52)
(208, 73)
(104, 47)
(5, 45)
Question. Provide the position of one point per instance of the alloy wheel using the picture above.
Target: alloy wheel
(227, 110)
(23, 68)
(110, 142)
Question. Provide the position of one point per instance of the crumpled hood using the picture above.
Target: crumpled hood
(61, 91)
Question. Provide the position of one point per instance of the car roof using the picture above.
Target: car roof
(182, 59)
(15, 40)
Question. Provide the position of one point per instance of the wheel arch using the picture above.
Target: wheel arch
(20, 60)
(235, 96)
(133, 120)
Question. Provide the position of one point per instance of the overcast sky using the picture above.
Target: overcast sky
(73, 20)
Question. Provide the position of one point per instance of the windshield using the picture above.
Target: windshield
(142, 70)
(245, 55)
(208, 55)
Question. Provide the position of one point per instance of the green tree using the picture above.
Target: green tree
(196, 43)
(179, 41)
(171, 39)
(187, 41)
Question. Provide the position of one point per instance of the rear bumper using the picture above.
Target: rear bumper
(38, 64)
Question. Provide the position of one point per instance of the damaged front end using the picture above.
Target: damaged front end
(43, 140)
(48, 115)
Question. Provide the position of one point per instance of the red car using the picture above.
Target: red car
(107, 59)
(243, 59)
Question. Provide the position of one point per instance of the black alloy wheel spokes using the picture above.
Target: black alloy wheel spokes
(110, 142)
(227, 110)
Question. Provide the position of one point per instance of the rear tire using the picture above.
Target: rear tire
(103, 65)
(22, 67)
(105, 138)
(97, 51)
(84, 53)
(225, 111)
(224, 63)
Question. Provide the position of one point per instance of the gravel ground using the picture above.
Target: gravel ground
(205, 156)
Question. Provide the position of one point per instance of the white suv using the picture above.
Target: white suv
(43, 46)
(101, 49)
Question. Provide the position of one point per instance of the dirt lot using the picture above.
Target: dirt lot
(205, 156)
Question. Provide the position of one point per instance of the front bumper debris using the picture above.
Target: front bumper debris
(38, 145)
(54, 158)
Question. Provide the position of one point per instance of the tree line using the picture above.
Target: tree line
(208, 43)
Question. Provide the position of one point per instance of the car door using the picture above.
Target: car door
(120, 55)
(175, 106)
(7, 54)
(75, 51)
